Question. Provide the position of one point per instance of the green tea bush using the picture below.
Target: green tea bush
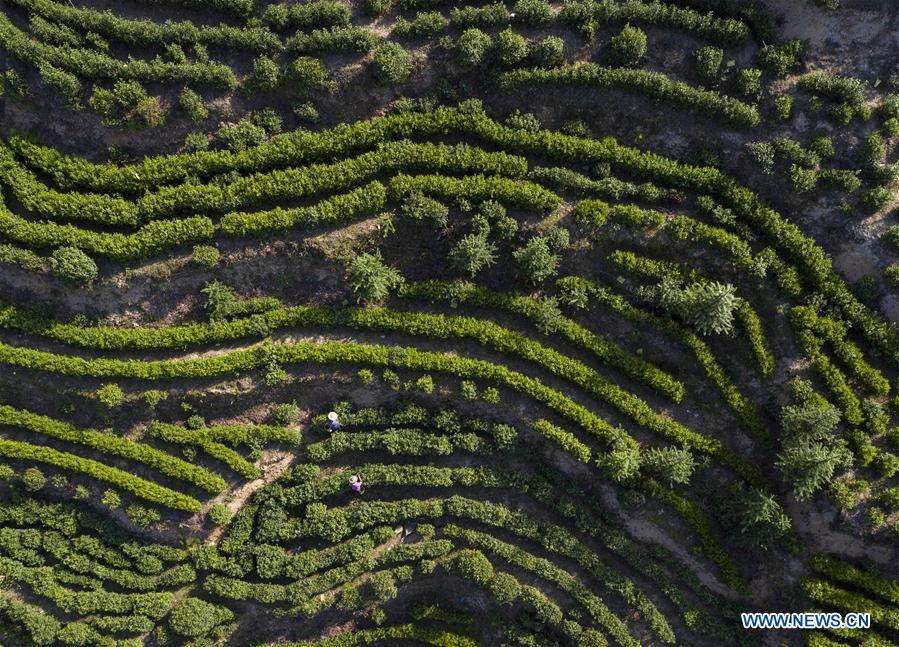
(628, 47)
(73, 266)
(392, 64)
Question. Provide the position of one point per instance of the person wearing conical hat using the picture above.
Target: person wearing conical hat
(356, 483)
(333, 422)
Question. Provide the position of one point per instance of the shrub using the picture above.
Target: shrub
(307, 73)
(205, 255)
(285, 413)
(306, 111)
(491, 395)
(383, 585)
(628, 47)
(781, 57)
(219, 514)
(549, 52)
(111, 499)
(472, 47)
(472, 564)
(749, 82)
(468, 390)
(141, 516)
(33, 479)
(371, 279)
(505, 588)
(892, 236)
(535, 262)
(392, 64)
(192, 104)
(512, 47)
(532, 12)
(196, 141)
(426, 24)
(110, 395)
(891, 275)
(195, 618)
(783, 106)
(420, 208)
(242, 135)
(707, 62)
(73, 266)
(473, 253)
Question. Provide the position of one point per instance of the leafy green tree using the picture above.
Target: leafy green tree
(473, 253)
(111, 499)
(549, 316)
(808, 467)
(708, 307)
(371, 279)
(755, 515)
(629, 46)
(535, 261)
(73, 266)
(219, 299)
(670, 464)
(392, 64)
(419, 207)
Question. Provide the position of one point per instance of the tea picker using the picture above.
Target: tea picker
(333, 422)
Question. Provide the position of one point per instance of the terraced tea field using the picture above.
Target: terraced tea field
(418, 322)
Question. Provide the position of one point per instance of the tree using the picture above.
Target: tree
(194, 618)
(755, 515)
(535, 261)
(392, 64)
(807, 467)
(808, 422)
(622, 463)
(73, 266)
(708, 307)
(629, 46)
(472, 253)
(219, 299)
(549, 316)
(670, 464)
(419, 207)
(371, 279)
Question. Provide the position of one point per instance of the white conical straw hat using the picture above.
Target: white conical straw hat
(354, 478)
(332, 416)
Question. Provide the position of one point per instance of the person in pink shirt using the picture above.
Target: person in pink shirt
(356, 484)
